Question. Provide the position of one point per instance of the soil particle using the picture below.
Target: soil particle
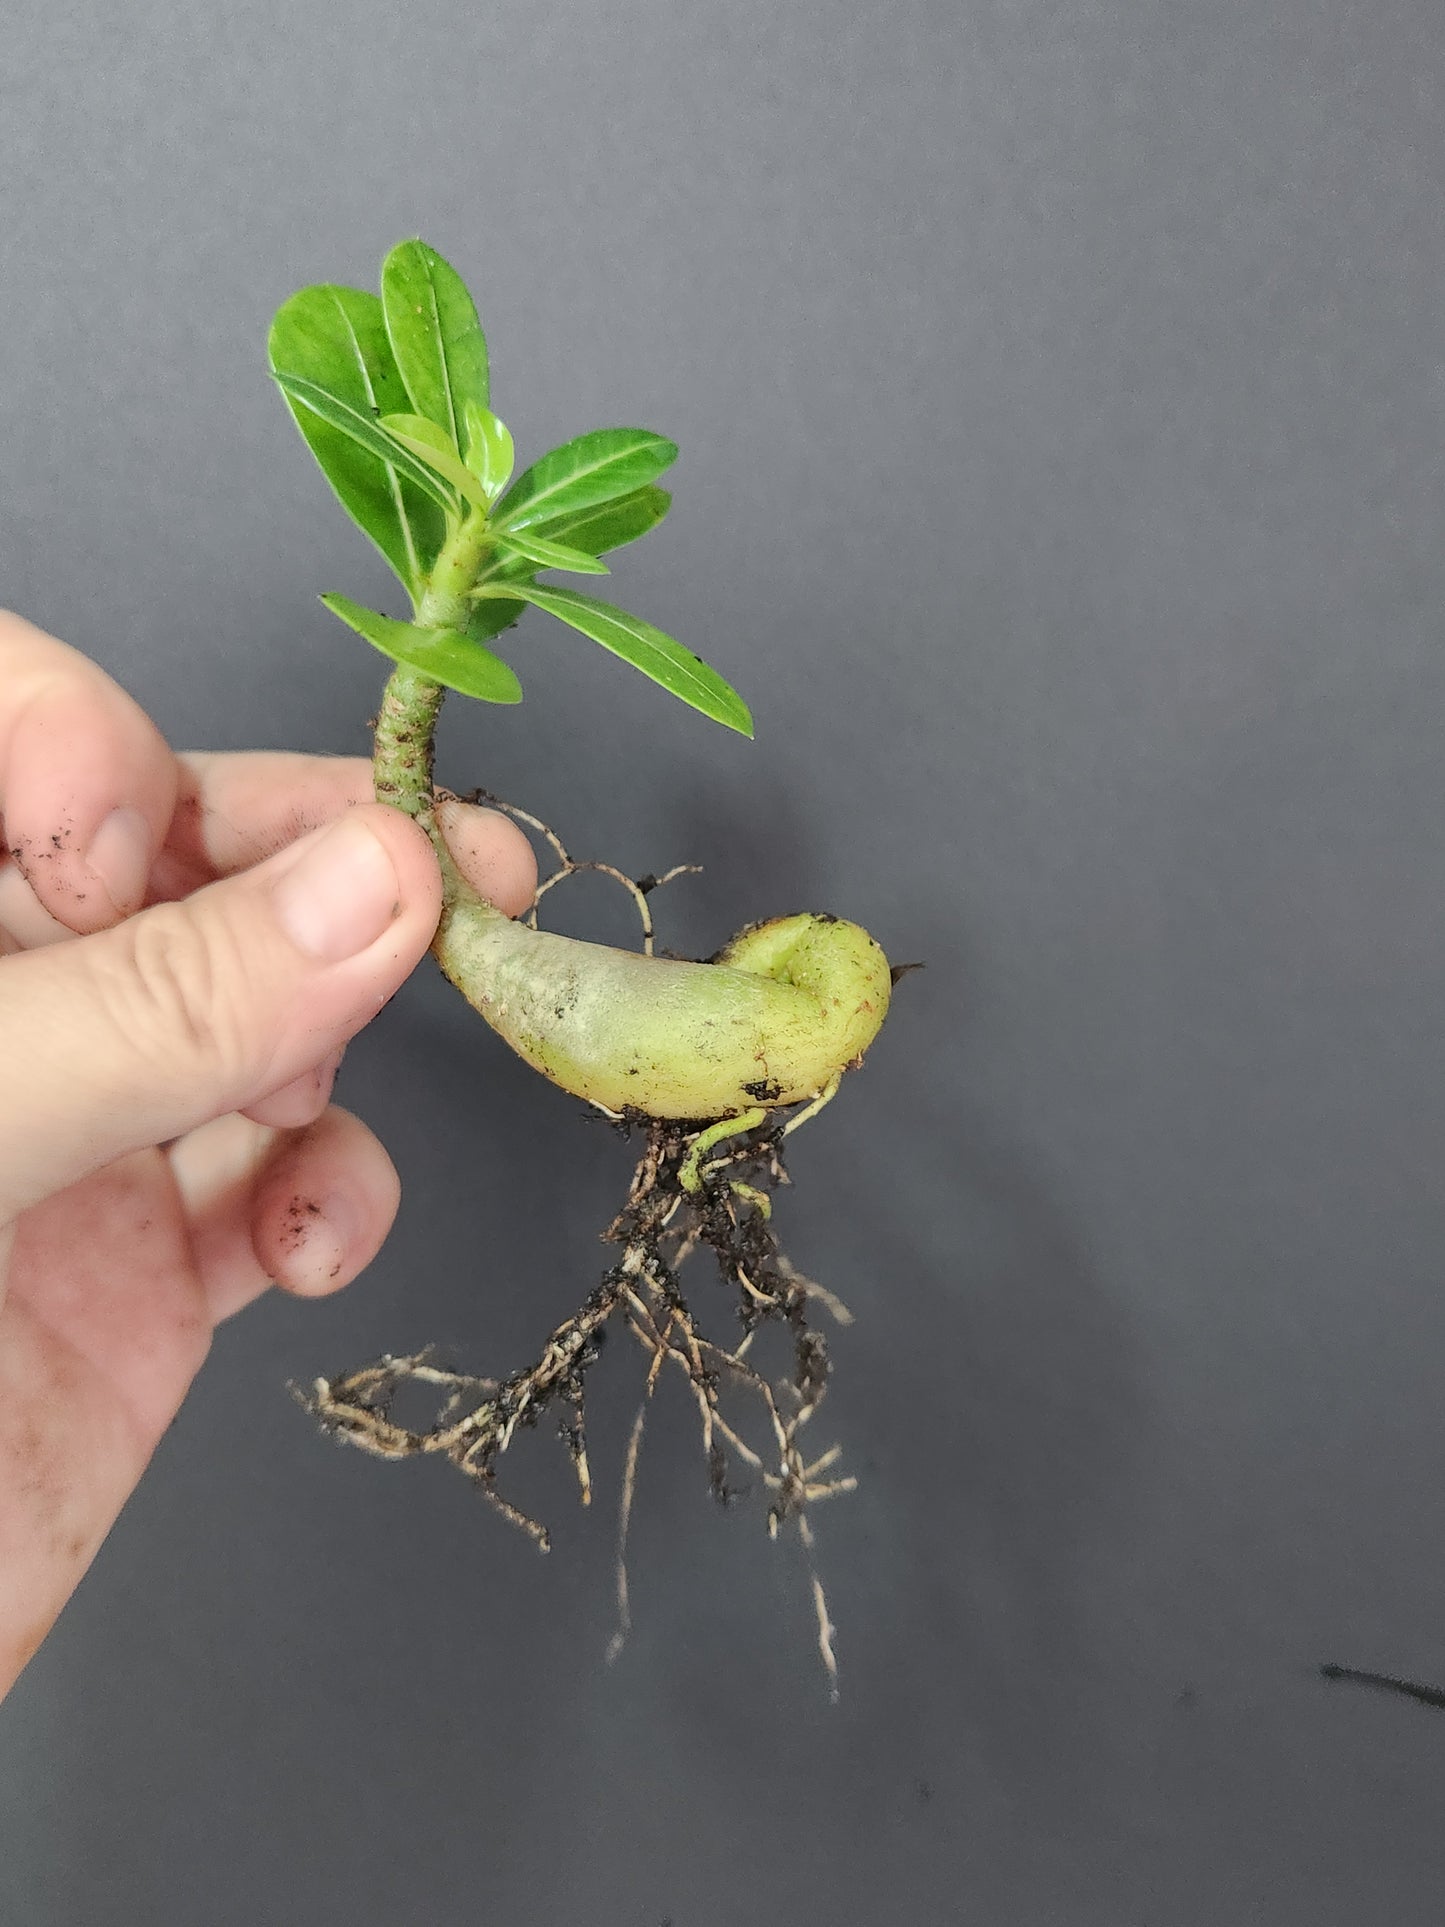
(299, 1217)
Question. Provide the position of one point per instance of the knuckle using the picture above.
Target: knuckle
(182, 990)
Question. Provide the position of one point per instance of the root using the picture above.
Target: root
(638, 888)
(662, 1225)
(695, 1187)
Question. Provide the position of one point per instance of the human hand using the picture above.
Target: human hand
(167, 1148)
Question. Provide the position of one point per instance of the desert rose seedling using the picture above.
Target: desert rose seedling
(712, 1064)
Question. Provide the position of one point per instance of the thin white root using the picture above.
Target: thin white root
(826, 1628)
(624, 1525)
(811, 1109)
(810, 1288)
(569, 866)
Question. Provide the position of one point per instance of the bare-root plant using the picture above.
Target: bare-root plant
(710, 1066)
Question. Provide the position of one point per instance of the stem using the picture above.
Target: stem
(444, 601)
(411, 702)
(402, 759)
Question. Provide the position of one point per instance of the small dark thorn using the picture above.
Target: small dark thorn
(897, 972)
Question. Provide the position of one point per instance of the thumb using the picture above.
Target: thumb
(192, 1009)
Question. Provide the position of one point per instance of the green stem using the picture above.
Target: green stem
(444, 602)
(403, 752)
(402, 757)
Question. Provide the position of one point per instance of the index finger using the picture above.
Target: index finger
(234, 810)
(87, 783)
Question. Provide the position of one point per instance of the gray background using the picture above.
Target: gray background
(1060, 389)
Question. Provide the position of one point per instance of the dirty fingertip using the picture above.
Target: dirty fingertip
(314, 1244)
(491, 852)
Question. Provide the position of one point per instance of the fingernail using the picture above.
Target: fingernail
(452, 813)
(339, 895)
(119, 858)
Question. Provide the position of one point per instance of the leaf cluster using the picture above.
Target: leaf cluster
(392, 395)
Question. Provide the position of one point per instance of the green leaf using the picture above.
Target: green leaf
(489, 450)
(435, 335)
(549, 555)
(336, 337)
(610, 526)
(446, 655)
(655, 654)
(420, 436)
(594, 531)
(367, 432)
(581, 474)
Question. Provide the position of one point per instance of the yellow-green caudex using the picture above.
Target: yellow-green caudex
(784, 1009)
(775, 1018)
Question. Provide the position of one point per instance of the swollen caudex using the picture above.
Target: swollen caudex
(774, 1019)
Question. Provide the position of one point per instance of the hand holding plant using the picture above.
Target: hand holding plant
(186, 943)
